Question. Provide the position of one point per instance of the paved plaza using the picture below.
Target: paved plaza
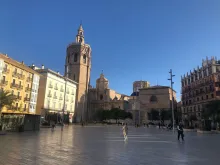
(104, 145)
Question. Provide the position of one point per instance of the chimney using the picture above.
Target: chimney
(42, 66)
(22, 62)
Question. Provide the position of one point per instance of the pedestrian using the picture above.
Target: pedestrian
(159, 125)
(180, 131)
(125, 131)
(53, 126)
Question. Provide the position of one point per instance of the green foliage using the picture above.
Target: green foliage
(212, 110)
(6, 99)
(114, 113)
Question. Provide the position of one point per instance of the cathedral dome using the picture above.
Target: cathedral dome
(102, 77)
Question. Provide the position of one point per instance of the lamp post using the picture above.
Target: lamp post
(171, 84)
(64, 103)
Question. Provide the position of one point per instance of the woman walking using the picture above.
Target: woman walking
(125, 131)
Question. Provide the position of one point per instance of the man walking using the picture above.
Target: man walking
(180, 131)
(125, 131)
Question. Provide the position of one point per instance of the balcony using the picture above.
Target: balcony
(26, 99)
(5, 70)
(61, 90)
(55, 97)
(49, 95)
(29, 79)
(16, 86)
(67, 99)
(56, 88)
(72, 93)
(68, 92)
(50, 86)
(61, 98)
(18, 75)
(27, 89)
(3, 83)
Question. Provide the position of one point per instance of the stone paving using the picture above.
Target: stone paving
(104, 145)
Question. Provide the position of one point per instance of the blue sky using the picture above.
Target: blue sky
(131, 39)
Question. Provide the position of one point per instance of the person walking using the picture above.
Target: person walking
(180, 131)
(125, 131)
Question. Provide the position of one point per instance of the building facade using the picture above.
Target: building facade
(156, 97)
(139, 85)
(102, 97)
(23, 83)
(77, 68)
(55, 91)
(199, 87)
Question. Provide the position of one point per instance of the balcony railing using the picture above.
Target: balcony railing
(17, 86)
(26, 99)
(49, 95)
(3, 83)
(5, 70)
(18, 75)
(29, 79)
(27, 89)
(50, 86)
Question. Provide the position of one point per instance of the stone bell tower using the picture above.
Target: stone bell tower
(77, 68)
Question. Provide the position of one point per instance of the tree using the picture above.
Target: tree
(212, 110)
(6, 100)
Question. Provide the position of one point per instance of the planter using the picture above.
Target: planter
(2, 132)
(215, 131)
(204, 132)
(189, 130)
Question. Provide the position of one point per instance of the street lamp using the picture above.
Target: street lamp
(171, 84)
(64, 103)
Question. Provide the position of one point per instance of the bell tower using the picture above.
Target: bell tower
(77, 68)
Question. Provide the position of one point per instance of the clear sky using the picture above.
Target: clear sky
(131, 39)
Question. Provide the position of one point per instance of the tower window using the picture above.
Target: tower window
(84, 59)
(74, 77)
(75, 57)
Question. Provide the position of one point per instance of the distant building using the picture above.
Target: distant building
(102, 97)
(52, 92)
(23, 83)
(156, 97)
(199, 87)
(139, 85)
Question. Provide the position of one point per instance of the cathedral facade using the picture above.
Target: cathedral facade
(103, 98)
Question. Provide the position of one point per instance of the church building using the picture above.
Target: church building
(102, 97)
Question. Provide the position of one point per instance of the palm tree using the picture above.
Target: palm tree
(6, 100)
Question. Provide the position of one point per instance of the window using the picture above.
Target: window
(16, 106)
(16, 70)
(25, 106)
(153, 99)
(101, 97)
(207, 96)
(20, 83)
(26, 95)
(75, 57)
(212, 95)
(197, 98)
(13, 82)
(6, 66)
(74, 77)
(3, 79)
(84, 59)
(12, 92)
(18, 94)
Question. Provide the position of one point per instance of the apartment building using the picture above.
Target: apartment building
(199, 87)
(23, 83)
(55, 91)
